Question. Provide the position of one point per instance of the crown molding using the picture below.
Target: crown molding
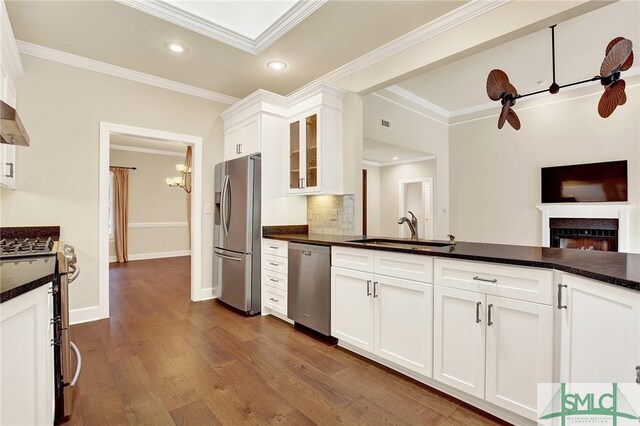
(398, 162)
(10, 57)
(418, 100)
(116, 71)
(456, 17)
(146, 150)
(195, 22)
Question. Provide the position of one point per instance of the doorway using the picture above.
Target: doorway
(416, 196)
(107, 130)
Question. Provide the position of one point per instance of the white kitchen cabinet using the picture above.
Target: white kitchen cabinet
(459, 339)
(352, 307)
(386, 316)
(27, 375)
(403, 322)
(274, 286)
(8, 166)
(519, 353)
(600, 332)
(242, 139)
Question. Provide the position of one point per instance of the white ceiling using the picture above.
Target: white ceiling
(580, 46)
(114, 33)
(385, 153)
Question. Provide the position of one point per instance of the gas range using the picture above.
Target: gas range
(27, 247)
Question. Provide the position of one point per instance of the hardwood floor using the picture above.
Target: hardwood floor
(161, 359)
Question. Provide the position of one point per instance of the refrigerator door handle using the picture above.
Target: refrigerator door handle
(227, 200)
(223, 205)
(235, 259)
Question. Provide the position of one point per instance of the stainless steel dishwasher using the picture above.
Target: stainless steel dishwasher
(309, 295)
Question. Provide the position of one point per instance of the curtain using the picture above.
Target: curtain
(187, 186)
(120, 211)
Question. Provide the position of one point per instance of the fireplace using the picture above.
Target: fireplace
(584, 234)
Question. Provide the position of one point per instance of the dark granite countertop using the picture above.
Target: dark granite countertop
(18, 276)
(622, 269)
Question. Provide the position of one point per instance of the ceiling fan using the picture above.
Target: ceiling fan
(618, 58)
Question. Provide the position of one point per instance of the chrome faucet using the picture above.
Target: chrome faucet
(412, 223)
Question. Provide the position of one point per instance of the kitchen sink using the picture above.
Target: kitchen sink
(402, 243)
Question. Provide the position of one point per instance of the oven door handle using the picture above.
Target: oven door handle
(75, 272)
(78, 356)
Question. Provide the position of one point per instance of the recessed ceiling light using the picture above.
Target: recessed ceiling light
(395, 158)
(276, 65)
(175, 47)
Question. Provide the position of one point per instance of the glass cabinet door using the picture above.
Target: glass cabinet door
(294, 155)
(311, 148)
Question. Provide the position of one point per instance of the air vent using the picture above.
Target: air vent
(386, 123)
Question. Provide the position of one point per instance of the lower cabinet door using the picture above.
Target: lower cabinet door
(352, 307)
(600, 332)
(459, 339)
(403, 323)
(519, 353)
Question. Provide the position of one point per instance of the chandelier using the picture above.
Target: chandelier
(184, 179)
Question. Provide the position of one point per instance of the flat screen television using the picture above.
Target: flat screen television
(585, 183)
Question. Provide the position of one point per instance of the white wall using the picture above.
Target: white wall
(153, 203)
(373, 200)
(495, 174)
(415, 131)
(62, 107)
(390, 177)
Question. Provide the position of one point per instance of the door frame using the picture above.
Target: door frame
(106, 130)
(401, 198)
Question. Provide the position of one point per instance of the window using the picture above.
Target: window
(110, 217)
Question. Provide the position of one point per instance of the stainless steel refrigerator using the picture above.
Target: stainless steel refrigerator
(236, 253)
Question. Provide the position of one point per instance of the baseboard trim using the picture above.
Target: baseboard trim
(207, 294)
(81, 315)
(158, 255)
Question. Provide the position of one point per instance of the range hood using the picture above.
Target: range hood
(12, 131)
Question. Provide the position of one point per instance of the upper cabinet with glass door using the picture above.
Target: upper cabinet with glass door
(303, 153)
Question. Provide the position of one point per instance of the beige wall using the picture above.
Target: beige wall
(415, 131)
(151, 201)
(495, 174)
(390, 177)
(62, 108)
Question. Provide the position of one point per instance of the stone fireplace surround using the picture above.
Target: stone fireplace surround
(618, 211)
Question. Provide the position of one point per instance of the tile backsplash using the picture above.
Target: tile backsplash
(330, 214)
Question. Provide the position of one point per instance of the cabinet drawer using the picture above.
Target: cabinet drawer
(275, 299)
(515, 282)
(275, 280)
(400, 265)
(275, 263)
(274, 247)
(350, 258)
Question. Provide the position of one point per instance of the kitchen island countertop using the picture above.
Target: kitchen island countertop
(19, 276)
(621, 269)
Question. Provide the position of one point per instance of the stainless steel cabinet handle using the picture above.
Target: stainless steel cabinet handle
(375, 289)
(368, 287)
(303, 184)
(489, 322)
(638, 374)
(560, 305)
(274, 264)
(274, 300)
(273, 280)
(274, 247)
(10, 175)
(76, 352)
(235, 259)
(477, 278)
(75, 273)
(478, 312)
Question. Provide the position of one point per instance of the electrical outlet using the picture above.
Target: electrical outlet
(334, 214)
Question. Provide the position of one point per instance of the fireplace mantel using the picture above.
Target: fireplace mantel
(618, 211)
